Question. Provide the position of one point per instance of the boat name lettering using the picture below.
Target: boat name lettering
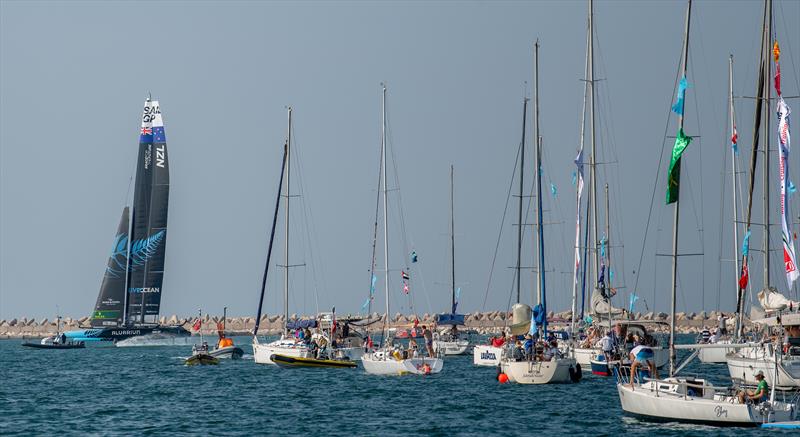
(160, 157)
(150, 113)
(145, 290)
(720, 412)
(488, 356)
(127, 332)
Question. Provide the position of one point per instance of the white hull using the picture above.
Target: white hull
(538, 372)
(351, 353)
(584, 357)
(485, 355)
(262, 353)
(156, 340)
(746, 362)
(378, 363)
(715, 355)
(666, 400)
(458, 347)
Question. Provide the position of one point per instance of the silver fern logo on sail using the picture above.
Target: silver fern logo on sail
(141, 251)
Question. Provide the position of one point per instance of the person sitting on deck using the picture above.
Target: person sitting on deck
(552, 352)
(517, 352)
(412, 348)
(498, 341)
(760, 394)
(705, 336)
(714, 338)
(642, 355)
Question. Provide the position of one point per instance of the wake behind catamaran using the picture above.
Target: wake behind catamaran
(129, 301)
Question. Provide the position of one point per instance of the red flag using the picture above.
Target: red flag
(197, 325)
(405, 287)
(745, 278)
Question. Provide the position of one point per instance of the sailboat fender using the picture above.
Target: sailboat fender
(575, 373)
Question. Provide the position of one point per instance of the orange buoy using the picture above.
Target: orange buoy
(502, 378)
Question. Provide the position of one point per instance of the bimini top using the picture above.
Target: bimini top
(301, 324)
(449, 319)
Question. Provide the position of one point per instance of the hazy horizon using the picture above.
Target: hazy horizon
(74, 75)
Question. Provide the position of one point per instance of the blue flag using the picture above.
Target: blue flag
(372, 287)
(365, 306)
(413, 256)
(633, 300)
(746, 244)
(553, 190)
(678, 106)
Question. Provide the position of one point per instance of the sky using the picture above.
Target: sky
(74, 76)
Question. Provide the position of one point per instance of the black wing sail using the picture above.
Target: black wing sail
(149, 225)
(109, 309)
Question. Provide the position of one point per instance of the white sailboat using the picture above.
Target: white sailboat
(782, 357)
(552, 367)
(450, 341)
(687, 399)
(388, 360)
(286, 345)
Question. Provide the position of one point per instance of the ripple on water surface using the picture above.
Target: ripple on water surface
(148, 391)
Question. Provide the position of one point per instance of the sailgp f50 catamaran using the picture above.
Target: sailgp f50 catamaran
(129, 301)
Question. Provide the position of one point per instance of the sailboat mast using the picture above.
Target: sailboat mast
(766, 94)
(521, 193)
(579, 188)
(542, 296)
(593, 157)
(286, 241)
(452, 243)
(732, 112)
(538, 156)
(385, 202)
(676, 216)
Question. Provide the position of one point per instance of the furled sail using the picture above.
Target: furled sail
(149, 223)
(601, 307)
(109, 309)
(771, 300)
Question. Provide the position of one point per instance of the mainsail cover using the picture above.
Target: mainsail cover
(149, 224)
(109, 309)
(602, 308)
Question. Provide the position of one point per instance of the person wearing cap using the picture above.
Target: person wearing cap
(642, 355)
(528, 346)
(760, 394)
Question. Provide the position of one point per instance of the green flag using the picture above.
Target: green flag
(674, 175)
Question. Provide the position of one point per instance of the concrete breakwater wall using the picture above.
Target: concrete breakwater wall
(484, 323)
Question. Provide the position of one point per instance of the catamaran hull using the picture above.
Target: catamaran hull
(743, 365)
(135, 336)
(661, 405)
(540, 372)
(484, 355)
(390, 366)
(459, 347)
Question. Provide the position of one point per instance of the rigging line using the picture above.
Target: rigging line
(721, 220)
(789, 46)
(655, 182)
(370, 294)
(500, 233)
(555, 203)
(307, 216)
(405, 236)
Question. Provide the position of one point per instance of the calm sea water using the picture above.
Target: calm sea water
(104, 390)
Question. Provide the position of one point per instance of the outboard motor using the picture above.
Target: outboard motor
(575, 373)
